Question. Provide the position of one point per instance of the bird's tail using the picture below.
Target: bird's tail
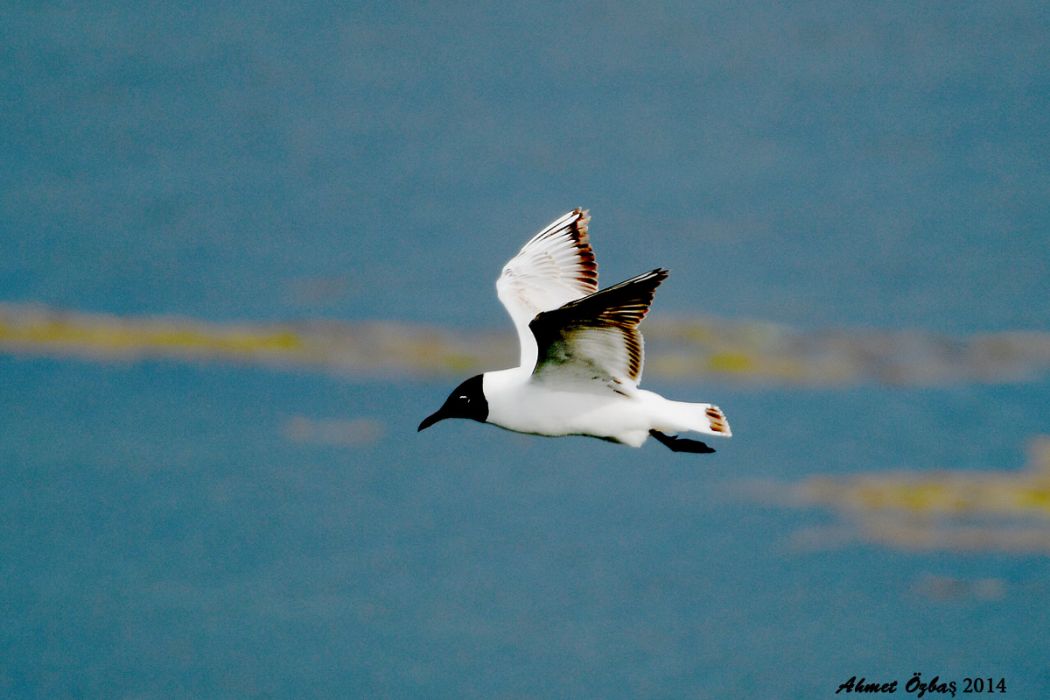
(716, 421)
(698, 417)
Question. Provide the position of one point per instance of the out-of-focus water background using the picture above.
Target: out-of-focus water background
(228, 529)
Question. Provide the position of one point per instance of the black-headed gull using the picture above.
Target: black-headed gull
(581, 353)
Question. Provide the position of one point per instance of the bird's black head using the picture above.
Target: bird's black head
(467, 401)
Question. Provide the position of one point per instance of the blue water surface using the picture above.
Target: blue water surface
(815, 163)
(163, 538)
(164, 533)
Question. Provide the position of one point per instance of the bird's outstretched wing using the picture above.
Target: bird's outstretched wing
(553, 268)
(596, 339)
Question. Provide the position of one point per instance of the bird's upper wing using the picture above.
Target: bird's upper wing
(596, 338)
(553, 268)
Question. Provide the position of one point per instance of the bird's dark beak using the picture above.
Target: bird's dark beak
(434, 417)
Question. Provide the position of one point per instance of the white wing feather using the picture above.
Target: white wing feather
(555, 267)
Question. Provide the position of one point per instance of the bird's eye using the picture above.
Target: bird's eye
(464, 398)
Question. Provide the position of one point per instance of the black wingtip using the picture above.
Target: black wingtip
(657, 273)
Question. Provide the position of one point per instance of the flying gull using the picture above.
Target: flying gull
(581, 353)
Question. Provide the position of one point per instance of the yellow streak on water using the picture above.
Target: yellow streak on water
(988, 510)
(745, 351)
(125, 339)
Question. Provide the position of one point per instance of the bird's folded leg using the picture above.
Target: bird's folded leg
(677, 444)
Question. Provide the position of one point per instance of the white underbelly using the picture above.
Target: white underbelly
(539, 411)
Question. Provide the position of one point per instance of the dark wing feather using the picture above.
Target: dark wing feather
(598, 334)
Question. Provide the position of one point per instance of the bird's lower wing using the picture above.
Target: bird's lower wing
(596, 338)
